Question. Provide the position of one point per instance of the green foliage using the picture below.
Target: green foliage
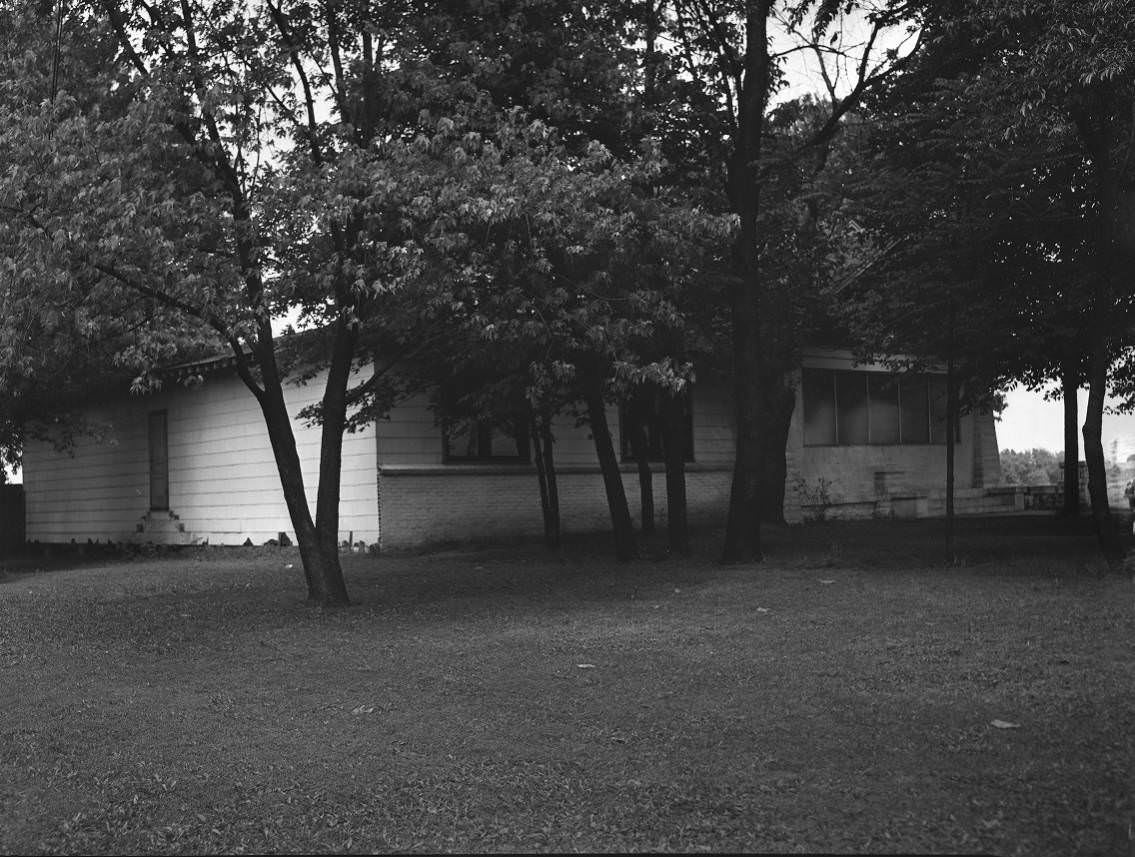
(972, 213)
(1030, 467)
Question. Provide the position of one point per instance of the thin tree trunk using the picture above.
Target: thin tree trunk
(1115, 254)
(639, 405)
(1070, 383)
(626, 546)
(1093, 452)
(675, 440)
(542, 443)
(951, 453)
(328, 492)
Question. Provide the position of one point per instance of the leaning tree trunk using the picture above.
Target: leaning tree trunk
(626, 546)
(324, 575)
(542, 442)
(1093, 452)
(318, 553)
(675, 440)
(1069, 385)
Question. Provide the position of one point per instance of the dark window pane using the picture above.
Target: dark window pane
(507, 441)
(819, 407)
(915, 409)
(851, 397)
(646, 414)
(884, 392)
(462, 442)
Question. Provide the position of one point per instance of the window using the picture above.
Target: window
(481, 440)
(845, 408)
(646, 415)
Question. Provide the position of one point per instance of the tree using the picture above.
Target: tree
(582, 260)
(983, 228)
(1030, 467)
(1069, 69)
(730, 51)
(54, 352)
(261, 159)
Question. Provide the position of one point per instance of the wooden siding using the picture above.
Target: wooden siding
(224, 486)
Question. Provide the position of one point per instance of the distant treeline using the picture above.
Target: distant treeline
(1030, 467)
(1038, 467)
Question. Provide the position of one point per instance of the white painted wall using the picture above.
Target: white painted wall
(224, 486)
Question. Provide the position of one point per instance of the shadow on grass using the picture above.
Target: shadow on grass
(269, 580)
(903, 544)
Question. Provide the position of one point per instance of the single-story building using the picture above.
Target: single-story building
(192, 464)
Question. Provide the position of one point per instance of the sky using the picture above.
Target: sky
(1030, 422)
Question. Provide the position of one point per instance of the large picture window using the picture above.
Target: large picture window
(846, 408)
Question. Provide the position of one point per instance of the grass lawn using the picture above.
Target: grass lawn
(840, 697)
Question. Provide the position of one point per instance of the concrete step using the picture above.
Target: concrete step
(162, 528)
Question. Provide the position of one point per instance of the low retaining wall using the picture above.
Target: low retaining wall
(967, 501)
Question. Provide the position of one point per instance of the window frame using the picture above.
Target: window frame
(486, 431)
(925, 382)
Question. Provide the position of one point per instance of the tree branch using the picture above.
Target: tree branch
(281, 23)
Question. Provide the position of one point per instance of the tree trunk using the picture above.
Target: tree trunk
(328, 492)
(324, 575)
(951, 454)
(782, 402)
(1070, 383)
(639, 405)
(1093, 452)
(674, 439)
(743, 525)
(1105, 137)
(320, 556)
(542, 444)
(626, 547)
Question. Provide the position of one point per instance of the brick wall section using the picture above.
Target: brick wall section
(424, 505)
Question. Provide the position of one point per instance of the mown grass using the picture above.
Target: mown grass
(839, 697)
